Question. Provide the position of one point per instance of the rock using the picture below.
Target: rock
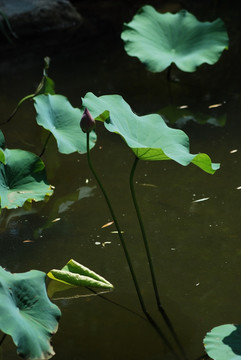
(29, 18)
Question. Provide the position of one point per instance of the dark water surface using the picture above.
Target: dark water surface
(195, 244)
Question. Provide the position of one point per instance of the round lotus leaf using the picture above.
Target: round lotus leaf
(27, 314)
(22, 178)
(224, 342)
(161, 39)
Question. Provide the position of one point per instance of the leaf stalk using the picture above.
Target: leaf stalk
(143, 306)
(149, 257)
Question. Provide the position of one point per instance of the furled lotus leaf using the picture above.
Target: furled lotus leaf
(161, 39)
(76, 274)
(46, 86)
(27, 314)
(148, 136)
(224, 342)
(56, 114)
(22, 179)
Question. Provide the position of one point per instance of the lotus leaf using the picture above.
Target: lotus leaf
(161, 39)
(148, 136)
(76, 274)
(27, 314)
(224, 342)
(22, 179)
(2, 140)
(56, 114)
(2, 145)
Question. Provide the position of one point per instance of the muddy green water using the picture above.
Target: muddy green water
(195, 244)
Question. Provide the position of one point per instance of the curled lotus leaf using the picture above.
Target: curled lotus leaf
(77, 274)
(27, 314)
(148, 136)
(22, 179)
(161, 39)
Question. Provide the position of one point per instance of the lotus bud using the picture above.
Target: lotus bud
(87, 122)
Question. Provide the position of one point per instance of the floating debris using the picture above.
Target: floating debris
(55, 220)
(116, 232)
(214, 106)
(233, 151)
(149, 185)
(107, 224)
(199, 200)
(106, 243)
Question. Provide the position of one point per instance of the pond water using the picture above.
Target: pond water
(192, 218)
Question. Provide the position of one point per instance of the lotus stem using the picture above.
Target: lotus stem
(115, 303)
(45, 145)
(17, 107)
(2, 339)
(148, 253)
(142, 304)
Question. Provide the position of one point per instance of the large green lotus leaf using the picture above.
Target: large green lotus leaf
(56, 114)
(161, 39)
(22, 179)
(148, 136)
(76, 274)
(224, 342)
(27, 314)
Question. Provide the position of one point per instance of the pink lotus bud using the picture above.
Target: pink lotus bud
(87, 122)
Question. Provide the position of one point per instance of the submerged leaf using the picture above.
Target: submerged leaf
(27, 314)
(224, 342)
(76, 274)
(22, 179)
(148, 136)
(56, 114)
(161, 39)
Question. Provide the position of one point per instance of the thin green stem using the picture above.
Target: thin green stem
(143, 307)
(45, 144)
(148, 253)
(17, 107)
(2, 339)
(115, 303)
